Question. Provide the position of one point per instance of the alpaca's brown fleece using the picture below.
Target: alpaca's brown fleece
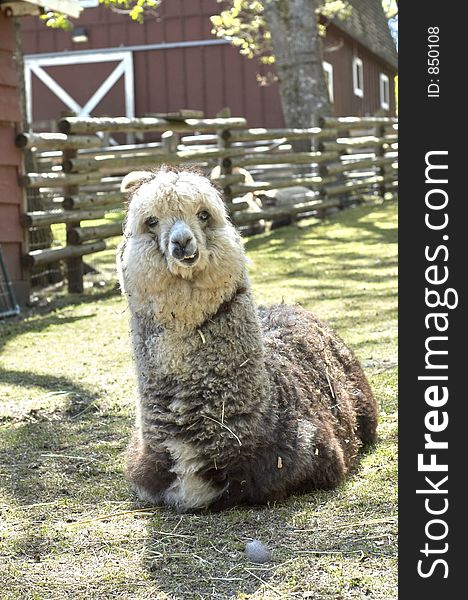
(236, 404)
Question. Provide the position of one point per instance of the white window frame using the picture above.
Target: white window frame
(89, 3)
(384, 91)
(328, 68)
(358, 77)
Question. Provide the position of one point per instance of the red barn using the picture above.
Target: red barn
(11, 195)
(12, 202)
(173, 61)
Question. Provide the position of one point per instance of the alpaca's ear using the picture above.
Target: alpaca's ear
(134, 180)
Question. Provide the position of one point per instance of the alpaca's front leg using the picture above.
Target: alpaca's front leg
(148, 471)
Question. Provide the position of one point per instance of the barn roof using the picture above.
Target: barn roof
(368, 25)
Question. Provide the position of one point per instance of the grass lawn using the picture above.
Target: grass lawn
(69, 527)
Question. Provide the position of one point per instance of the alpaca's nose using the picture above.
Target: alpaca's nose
(182, 241)
(180, 247)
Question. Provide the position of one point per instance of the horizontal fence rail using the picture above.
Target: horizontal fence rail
(87, 125)
(265, 175)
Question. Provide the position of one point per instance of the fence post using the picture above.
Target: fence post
(74, 265)
(380, 152)
(225, 166)
(170, 141)
(323, 172)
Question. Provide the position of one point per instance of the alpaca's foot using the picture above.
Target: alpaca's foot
(145, 495)
(367, 428)
(236, 494)
(325, 461)
(366, 418)
(365, 405)
(148, 471)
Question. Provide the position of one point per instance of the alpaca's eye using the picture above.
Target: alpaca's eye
(203, 215)
(151, 222)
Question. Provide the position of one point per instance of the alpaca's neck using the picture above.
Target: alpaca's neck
(185, 305)
(174, 340)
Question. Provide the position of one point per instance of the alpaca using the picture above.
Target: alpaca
(236, 404)
(250, 197)
(253, 202)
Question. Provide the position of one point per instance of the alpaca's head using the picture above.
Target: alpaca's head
(177, 229)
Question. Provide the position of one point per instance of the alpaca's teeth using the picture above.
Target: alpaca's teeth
(193, 256)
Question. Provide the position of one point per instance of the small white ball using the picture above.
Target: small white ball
(257, 552)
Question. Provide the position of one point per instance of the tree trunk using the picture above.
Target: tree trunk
(297, 49)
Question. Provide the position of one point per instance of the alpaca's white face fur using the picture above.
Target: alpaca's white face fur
(177, 240)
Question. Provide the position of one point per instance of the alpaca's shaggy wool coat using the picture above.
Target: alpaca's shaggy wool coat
(235, 404)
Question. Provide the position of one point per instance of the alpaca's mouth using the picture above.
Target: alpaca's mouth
(189, 260)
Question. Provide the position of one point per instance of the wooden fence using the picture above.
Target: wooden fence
(79, 179)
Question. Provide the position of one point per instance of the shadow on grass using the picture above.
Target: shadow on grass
(63, 299)
(11, 329)
(343, 260)
(79, 398)
(202, 555)
(41, 316)
(279, 239)
(54, 455)
(51, 463)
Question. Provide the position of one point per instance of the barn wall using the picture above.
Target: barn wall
(339, 49)
(11, 195)
(205, 77)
